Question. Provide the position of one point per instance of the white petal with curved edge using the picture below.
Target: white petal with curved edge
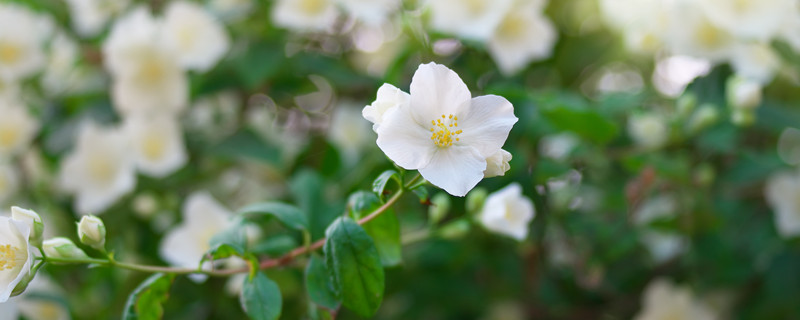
(436, 91)
(404, 141)
(486, 123)
(456, 169)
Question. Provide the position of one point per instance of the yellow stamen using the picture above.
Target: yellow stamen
(8, 257)
(441, 134)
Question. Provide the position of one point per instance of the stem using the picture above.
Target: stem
(266, 264)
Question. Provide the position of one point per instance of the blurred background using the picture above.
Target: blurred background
(658, 139)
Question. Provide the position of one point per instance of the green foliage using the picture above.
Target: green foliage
(261, 298)
(319, 284)
(379, 185)
(145, 303)
(384, 230)
(287, 214)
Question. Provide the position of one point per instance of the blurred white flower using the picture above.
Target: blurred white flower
(749, 19)
(8, 182)
(156, 144)
(22, 35)
(230, 10)
(388, 97)
(195, 35)
(40, 300)
(697, 36)
(755, 61)
(742, 94)
(644, 25)
(508, 212)
(371, 12)
(99, 170)
(663, 300)
(558, 146)
(663, 245)
(782, 192)
(16, 255)
(468, 19)
(17, 128)
(62, 74)
(788, 31)
(214, 116)
(497, 164)
(649, 130)
(674, 73)
(305, 15)
(89, 17)
(147, 76)
(788, 147)
(525, 34)
(349, 132)
(185, 245)
(443, 132)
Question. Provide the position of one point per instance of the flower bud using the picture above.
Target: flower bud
(455, 230)
(743, 118)
(742, 94)
(704, 117)
(62, 248)
(440, 206)
(34, 222)
(649, 131)
(92, 232)
(497, 164)
(475, 200)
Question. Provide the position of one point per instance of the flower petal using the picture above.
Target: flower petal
(404, 141)
(436, 90)
(456, 169)
(486, 122)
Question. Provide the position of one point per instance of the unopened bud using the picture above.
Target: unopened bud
(742, 94)
(705, 116)
(475, 200)
(440, 206)
(455, 230)
(92, 232)
(34, 222)
(62, 248)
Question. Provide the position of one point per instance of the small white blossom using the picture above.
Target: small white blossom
(648, 130)
(156, 144)
(388, 97)
(305, 15)
(697, 36)
(92, 232)
(197, 37)
(663, 300)
(17, 128)
(749, 19)
(16, 255)
(22, 36)
(783, 195)
(497, 164)
(203, 217)
(468, 19)
(99, 170)
(558, 146)
(508, 212)
(89, 17)
(524, 35)
(443, 132)
(742, 94)
(756, 61)
(230, 10)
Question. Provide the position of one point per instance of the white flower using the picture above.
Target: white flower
(497, 164)
(753, 19)
(644, 24)
(783, 195)
(62, 75)
(99, 170)
(156, 144)
(33, 307)
(349, 132)
(8, 181)
(90, 16)
(558, 146)
(664, 301)
(185, 245)
(695, 35)
(17, 128)
(388, 97)
(468, 19)
(197, 37)
(22, 35)
(443, 132)
(755, 61)
(662, 245)
(648, 130)
(523, 35)
(32, 220)
(788, 31)
(372, 12)
(147, 75)
(16, 255)
(742, 94)
(508, 212)
(305, 15)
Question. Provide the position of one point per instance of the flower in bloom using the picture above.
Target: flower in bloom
(443, 132)
(648, 130)
(156, 144)
(99, 170)
(508, 212)
(90, 16)
(32, 220)
(783, 195)
(523, 35)
(305, 15)
(147, 74)
(22, 35)
(16, 255)
(663, 300)
(753, 19)
(468, 19)
(388, 97)
(197, 37)
(755, 61)
(697, 36)
(203, 217)
(17, 128)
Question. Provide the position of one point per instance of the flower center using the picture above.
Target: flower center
(9, 53)
(312, 7)
(444, 131)
(8, 137)
(101, 168)
(153, 146)
(8, 257)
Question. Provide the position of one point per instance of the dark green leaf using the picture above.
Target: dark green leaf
(588, 124)
(287, 214)
(261, 298)
(384, 230)
(234, 237)
(353, 261)
(379, 185)
(248, 145)
(145, 301)
(318, 284)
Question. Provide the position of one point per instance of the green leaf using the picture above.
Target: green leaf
(261, 298)
(587, 123)
(260, 62)
(307, 188)
(318, 284)
(234, 237)
(422, 194)
(222, 251)
(379, 184)
(145, 301)
(354, 263)
(246, 144)
(287, 214)
(384, 229)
